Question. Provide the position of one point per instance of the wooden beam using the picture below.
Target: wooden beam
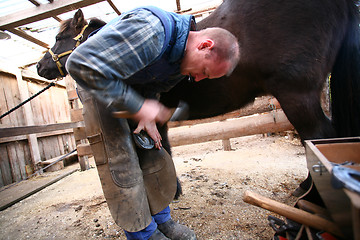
(41, 12)
(34, 2)
(72, 95)
(76, 115)
(292, 213)
(114, 7)
(28, 37)
(15, 131)
(84, 149)
(38, 4)
(244, 126)
(178, 7)
(79, 133)
(57, 18)
(14, 195)
(38, 135)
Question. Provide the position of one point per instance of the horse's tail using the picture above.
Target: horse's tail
(345, 79)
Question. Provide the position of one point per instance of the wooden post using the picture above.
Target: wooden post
(76, 116)
(32, 139)
(226, 144)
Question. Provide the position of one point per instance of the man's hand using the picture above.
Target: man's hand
(150, 113)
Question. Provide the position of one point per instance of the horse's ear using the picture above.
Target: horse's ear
(78, 19)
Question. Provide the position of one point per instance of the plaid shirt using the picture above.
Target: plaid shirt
(120, 49)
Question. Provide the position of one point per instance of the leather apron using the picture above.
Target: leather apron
(136, 183)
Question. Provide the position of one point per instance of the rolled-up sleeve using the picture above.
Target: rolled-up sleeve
(119, 50)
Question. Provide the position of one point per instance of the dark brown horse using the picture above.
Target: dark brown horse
(288, 49)
(73, 32)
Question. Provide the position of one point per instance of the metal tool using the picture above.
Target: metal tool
(344, 177)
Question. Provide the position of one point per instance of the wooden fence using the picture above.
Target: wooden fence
(52, 124)
(22, 148)
(48, 126)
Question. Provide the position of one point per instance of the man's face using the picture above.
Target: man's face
(199, 65)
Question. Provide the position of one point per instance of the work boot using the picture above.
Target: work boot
(176, 231)
(157, 235)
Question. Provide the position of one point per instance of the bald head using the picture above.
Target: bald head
(226, 46)
(210, 53)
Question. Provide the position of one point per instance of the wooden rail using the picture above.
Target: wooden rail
(16, 131)
(274, 121)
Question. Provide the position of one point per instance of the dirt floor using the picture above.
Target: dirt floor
(213, 181)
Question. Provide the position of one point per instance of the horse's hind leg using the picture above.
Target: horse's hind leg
(304, 111)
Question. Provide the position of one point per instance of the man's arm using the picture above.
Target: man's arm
(114, 54)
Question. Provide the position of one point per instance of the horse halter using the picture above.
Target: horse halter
(56, 57)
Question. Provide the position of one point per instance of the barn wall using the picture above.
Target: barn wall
(50, 107)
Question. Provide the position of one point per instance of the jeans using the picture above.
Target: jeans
(146, 233)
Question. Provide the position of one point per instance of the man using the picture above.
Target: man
(123, 68)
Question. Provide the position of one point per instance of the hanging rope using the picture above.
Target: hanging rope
(27, 100)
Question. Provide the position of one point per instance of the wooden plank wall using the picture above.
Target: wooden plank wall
(48, 108)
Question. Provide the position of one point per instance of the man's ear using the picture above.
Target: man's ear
(207, 43)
